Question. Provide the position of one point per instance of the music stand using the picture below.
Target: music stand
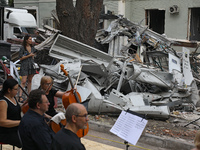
(126, 143)
(129, 126)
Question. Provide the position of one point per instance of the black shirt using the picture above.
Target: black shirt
(10, 135)
(13, 113)
(66, 140)
(34, 132)
(51, 111)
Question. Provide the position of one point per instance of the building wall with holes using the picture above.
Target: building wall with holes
(177, 25)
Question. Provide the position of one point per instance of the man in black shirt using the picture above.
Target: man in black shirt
(66, 138)
(34, 131)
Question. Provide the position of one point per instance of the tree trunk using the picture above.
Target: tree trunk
(80, 22)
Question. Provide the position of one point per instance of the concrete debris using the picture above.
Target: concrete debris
(140, 72)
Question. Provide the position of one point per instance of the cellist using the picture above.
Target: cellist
(46, 85)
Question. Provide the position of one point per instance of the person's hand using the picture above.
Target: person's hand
(31, 54)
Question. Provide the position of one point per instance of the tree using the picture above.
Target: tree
(11, 3)
(79, 21)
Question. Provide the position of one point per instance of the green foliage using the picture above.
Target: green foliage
(11, 3)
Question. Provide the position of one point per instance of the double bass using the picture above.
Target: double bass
(71, 96)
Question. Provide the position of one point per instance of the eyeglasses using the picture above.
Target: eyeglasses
(48, 84)
(86, 116)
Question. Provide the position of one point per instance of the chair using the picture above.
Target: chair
(4, 143)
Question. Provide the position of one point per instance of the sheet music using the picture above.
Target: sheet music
(129, 127)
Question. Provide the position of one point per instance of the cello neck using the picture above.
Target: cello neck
(72, 85)
(76, 95)
(74, 90)
(70, 80)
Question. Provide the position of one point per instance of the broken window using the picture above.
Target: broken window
(155, 19)
(195, 24)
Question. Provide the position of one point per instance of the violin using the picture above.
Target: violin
(24, 106)
(72, 96)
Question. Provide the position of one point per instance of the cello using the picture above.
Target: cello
(72, 96)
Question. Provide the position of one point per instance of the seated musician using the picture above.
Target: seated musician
(67, 139)
(34, 131)
(10, 113)
(46, 85)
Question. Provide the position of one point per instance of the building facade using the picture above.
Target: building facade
(178, 19)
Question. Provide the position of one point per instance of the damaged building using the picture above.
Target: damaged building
(176, 19)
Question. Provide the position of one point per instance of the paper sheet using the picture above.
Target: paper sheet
(129, 127)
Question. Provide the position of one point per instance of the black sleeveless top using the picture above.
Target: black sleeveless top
(13, 113)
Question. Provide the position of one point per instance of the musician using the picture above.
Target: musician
(34, 131)
(67, 139)
(10, 113)
(46, 85)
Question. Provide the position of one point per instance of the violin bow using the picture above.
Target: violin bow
(78, 77)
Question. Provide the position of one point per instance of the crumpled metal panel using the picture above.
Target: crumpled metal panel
(65, 47)
(96, 103)
(152, 111)
(47, 43)
(161, 79)
(135, 102)
(95, 69)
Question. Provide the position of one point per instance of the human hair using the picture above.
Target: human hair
(26, 37)
(71, 110)
(35, 97)
(44, 80)
(197, 140)
(8, 84)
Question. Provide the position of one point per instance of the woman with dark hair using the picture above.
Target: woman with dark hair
(10, 113)
(26, 55)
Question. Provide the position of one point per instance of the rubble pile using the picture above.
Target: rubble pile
(140, 72)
